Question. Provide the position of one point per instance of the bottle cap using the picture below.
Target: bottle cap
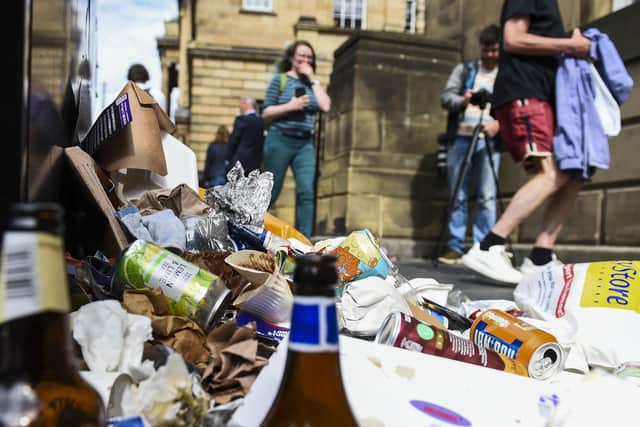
(315, 271)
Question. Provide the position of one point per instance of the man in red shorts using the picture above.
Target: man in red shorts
(533, 38)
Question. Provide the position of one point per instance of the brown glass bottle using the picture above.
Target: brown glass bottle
(311, 393)
(39, 384)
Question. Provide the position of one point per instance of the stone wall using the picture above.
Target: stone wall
(216, 87)
(462, 20)
(377, 162)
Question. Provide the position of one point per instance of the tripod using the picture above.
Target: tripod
(460, 179)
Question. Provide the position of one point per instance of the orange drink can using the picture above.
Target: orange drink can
(538, 351)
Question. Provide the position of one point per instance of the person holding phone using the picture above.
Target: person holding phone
(292, 99)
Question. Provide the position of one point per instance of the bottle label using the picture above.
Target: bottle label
(314, 325)
(32, 275)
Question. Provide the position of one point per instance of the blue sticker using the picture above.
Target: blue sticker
(441, 413)
(124, 109)
(332, 324)
(306, 321)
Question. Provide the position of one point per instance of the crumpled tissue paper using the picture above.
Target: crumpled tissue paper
(111, 339)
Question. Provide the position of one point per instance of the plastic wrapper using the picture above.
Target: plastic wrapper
(205, 233)
(456, 298)
(244, 200)
(366, 303)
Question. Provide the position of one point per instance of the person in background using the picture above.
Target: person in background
(247, 138)
(292, 99)
(140, 76)
(215, 163)
(532, 39)
(466, 79)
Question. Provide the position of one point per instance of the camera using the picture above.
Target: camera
(481, 98)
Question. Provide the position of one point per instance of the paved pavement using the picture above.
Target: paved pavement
(472, 284)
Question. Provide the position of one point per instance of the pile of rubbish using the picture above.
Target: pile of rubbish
(190, 297)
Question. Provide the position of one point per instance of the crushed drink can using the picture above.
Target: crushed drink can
(538, 351)
(359, 256)
(190, 291)
(403, 331)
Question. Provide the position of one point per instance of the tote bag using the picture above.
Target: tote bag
(605, 104)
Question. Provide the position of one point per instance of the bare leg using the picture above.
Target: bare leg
(556, 213)
(530, 196)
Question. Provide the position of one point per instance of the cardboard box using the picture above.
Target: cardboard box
(127, 133)
(92, 178)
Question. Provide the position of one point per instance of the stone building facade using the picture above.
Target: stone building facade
(377, 145)
(223, 49)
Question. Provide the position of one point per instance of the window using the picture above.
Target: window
(410, 16)
(257, 5)
(350, 13)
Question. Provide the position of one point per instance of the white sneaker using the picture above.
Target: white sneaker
(494, 263)
(528, 267)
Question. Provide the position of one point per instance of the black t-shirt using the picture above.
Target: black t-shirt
(523, 76)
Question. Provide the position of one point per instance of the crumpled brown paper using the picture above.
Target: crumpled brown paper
(237, 358)
(180, 333)
(214, 263)
(182, 200)
(231, 357)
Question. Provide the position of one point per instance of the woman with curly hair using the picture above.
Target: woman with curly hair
(292, 99)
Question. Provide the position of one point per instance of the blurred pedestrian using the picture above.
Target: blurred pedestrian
(140, 76)
(215, 163)
(465, 80)
(292, 98)
(247, 138)
(532, 39)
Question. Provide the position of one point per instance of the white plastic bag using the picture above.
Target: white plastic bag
(606, 106)
(598, 301)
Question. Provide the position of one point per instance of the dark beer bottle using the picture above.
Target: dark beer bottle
(39, 385)
(311, 393)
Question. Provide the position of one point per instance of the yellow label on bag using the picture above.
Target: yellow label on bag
(612, 284)
(32, 275)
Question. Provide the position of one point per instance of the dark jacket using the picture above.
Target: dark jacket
(215, 164)
(246, 142)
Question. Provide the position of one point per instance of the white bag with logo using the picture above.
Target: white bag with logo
(598, 302)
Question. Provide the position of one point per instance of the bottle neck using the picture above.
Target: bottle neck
(314, 325)
(313, 343)
(35, 343)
